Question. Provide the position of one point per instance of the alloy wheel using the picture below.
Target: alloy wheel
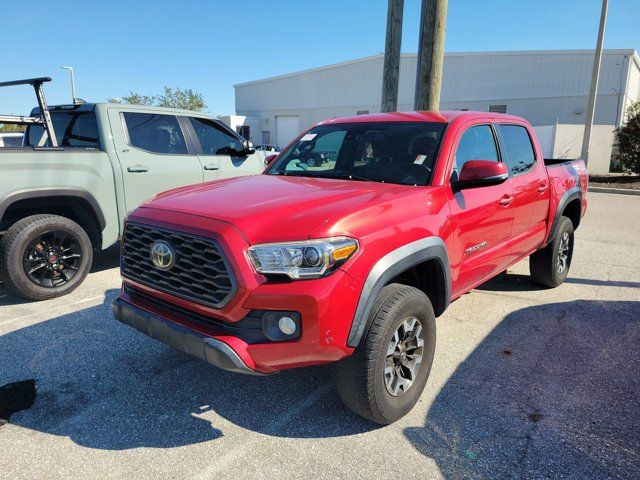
(404, 356)
(52, 259)
(563, 252)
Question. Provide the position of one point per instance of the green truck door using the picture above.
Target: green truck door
(153, 154)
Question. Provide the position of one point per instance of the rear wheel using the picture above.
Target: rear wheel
(44, 256)
(387, 373)
(550, 266)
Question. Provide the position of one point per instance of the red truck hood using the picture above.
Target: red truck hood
(269, 208)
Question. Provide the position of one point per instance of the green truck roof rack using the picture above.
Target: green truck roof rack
(44, 118)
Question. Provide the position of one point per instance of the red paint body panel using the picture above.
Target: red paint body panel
(484, 230)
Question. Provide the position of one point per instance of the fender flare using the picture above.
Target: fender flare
(27, 194)
(388, 267)
(574, 193)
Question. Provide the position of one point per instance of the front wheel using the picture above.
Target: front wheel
(550, 266)
(44, 256)
(384, 378)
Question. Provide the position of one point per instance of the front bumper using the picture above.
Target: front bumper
(326, 305)
(205, 348)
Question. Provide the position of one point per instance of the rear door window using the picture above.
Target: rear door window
(72, 129)
(517, 149)
(155, 133)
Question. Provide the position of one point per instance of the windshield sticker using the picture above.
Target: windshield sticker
(308, 137)
(420, 159)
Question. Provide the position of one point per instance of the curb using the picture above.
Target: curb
(620, 191)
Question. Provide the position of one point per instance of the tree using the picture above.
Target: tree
(628, 140)
(134, 99)
(10, 127)
(175, 98)
(186, 99)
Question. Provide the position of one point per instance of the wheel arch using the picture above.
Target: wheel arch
(570, 206)
(411, 264)
(79, 205)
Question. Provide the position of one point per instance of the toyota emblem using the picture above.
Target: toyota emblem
(162, 255)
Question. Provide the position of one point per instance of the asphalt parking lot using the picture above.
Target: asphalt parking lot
(526, 383)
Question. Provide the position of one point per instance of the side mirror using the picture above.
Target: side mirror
(481, 173)
(247, 147)
(268, 160)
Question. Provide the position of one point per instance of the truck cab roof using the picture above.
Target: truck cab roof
(431, 116)
(87, 107)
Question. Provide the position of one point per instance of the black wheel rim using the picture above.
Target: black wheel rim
(52, 259)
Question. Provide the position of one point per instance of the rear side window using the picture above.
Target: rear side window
(516, 148)
(477, 143)
(73, 129)
(12, 141)
(155, 133)
(214, 140)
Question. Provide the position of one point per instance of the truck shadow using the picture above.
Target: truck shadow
(553, 391)
(106, 259)
(515, 282)
(107, 386)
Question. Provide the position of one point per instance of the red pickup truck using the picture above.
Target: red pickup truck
(347, 247)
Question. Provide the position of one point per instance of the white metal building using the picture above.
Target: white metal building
(548, 88)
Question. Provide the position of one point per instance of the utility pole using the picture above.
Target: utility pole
(433, 23)
(391, 69)
(591, 107)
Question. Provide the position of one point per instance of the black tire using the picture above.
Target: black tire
(361, 378)
(547, 266)
(61, 277)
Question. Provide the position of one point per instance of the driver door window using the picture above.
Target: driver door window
(220, 148)
(477, 143)
(213, 139)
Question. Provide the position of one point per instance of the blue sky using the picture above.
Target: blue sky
(117, 46)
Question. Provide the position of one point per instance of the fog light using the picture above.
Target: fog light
(281, 326)
(287, 325)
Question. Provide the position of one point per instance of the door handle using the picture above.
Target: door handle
(542, 187)
(506, 200)
(138, 169)
(211, 166)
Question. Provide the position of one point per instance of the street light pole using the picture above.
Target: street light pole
(433, 22)
(391, 69)
(73, 83)
(591, 106)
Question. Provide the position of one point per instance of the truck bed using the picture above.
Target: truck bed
(552, 162)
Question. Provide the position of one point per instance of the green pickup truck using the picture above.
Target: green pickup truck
(83, 167)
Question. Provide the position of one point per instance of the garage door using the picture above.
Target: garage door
(287, 128)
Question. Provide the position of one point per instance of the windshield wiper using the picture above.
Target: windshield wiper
(315, 174)
(293, 173)
(346, 176)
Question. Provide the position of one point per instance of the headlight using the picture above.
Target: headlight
(307, 259)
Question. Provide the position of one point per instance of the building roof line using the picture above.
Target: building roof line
(636, 58)
(630, 52)
(310, 70)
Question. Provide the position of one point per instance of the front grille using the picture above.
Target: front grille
(200, 272)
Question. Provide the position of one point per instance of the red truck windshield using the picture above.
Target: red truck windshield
(401, 153)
